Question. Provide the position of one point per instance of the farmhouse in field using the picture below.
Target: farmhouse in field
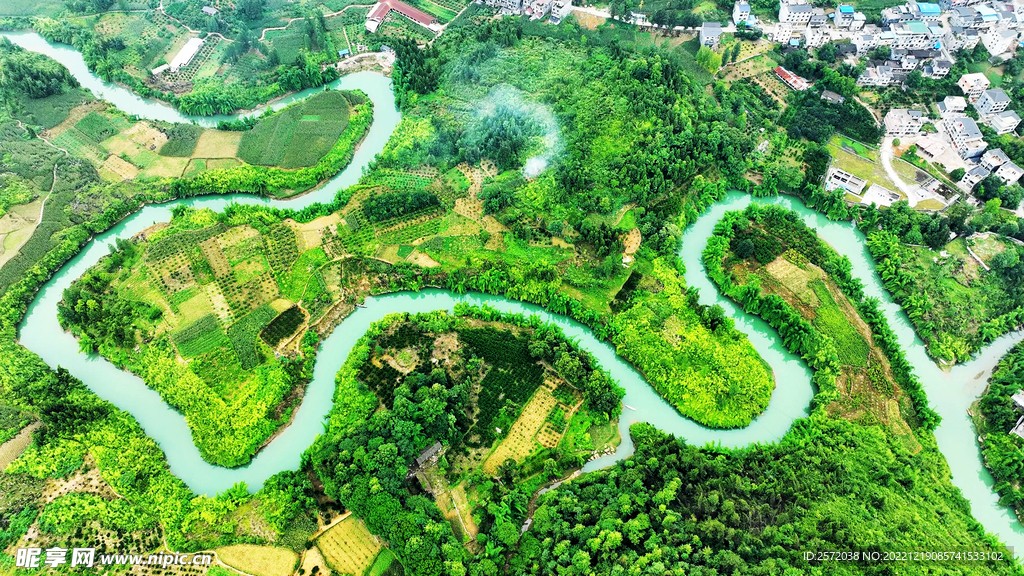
(186, 54)
(381, 10)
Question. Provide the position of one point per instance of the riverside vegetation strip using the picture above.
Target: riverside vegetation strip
(736, 521)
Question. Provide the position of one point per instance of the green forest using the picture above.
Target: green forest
(457, 438)
(996, 414)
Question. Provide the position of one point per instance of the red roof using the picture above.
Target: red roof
(795, 82)
(416, 15)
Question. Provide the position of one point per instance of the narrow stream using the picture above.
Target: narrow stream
(950, 393)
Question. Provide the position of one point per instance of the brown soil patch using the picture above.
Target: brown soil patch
(421, 259)
(10, 450)
(120, 167)
(521, 440)
(143, 134)
(589, 21)
(632, 241)
(311, 234)
(17, 226)
(215, 256)
(796, 279)
(90, 482)
(217, 144)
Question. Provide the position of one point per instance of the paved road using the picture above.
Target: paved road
(909, 191)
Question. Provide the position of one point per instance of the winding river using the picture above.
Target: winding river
(950, 393)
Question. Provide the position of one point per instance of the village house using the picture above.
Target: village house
(973, 85)
(1004, 122)
(792, 80)
(831, 97)
(951, 105)
(381, 9)
(710, 34)
(966, 137)
(506, 6)
(795, 12)
(210, 10)
(740, 12)
(999, 42)
(1009, 173)
(973, 176)
(904, 122)
(993, 159)
(559, 10)
(958, 37)
(991, 101)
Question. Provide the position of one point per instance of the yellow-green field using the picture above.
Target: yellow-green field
(348, 546)
(259, 560)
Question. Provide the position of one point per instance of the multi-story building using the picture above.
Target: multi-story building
(904, 122)
(1010, 173)
(865, 43)
(795, 12)
(974, 175)
(710, 34)
(843, 16)
(973, 85)
(1004, 122)
(952, 106)
(993, 159)
(537, 9)
(560, 9)
(964, 17)
(876, 76)
(966, 137)
(818, 18)
(999, 42)
(914, 34)
(740, 12)
(938, 68)
(991, 101)
(506, 6)
(958, 37)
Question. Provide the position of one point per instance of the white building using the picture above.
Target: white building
(1004, 122)
(974, 175)
(999, 42)
(186, 54)
(993, 159)
(973, 85)
(966, 137)
(506, 6)
(210, 10)
(991, 101)
(740, 12)
(560, 9)
(1010, 173)
(952, 105)
(710, 34)
(795, 12)
(904, 122)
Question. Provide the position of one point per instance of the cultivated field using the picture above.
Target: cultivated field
(298, 136)
(259, 560)
(348, 546)
(521, 440)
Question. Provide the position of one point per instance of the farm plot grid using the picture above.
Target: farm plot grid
(348, 546)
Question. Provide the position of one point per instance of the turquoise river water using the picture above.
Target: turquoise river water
(950, 392)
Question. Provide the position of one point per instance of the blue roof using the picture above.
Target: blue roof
(794, 42)
(342, 52)
(846, 9)
(752, 21)
(929, 8)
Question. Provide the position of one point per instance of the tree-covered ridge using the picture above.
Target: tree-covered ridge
(775, 231)
(997, 414)
(363, 460)
(31, 73)
(829, 485)
(955, 304)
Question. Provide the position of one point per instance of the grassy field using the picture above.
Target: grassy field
(993, 73)
(863, 163)
(348, 546)
(259, 560)
(853, 349)
(383, 563)
(299, 135)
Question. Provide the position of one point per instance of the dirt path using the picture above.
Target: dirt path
(331, 15)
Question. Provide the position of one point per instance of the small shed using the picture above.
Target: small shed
(210, 11)
(429, 453)
(343, 53)
(1018, 428)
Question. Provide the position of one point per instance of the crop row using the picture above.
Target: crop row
(243, 335)
(283, 326)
